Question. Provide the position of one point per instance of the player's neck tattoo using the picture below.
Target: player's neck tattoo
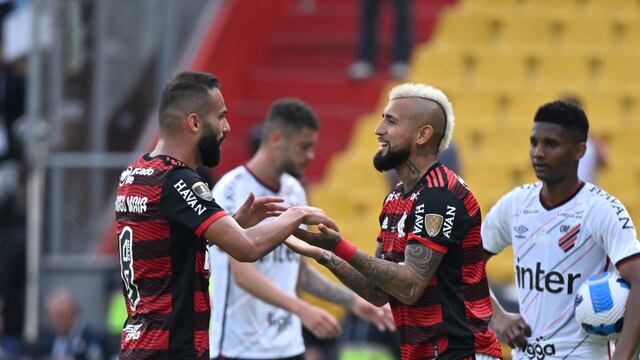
(415, 170)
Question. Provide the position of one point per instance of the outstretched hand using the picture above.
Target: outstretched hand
(298, 246)
(513, 330)
(381, 317)
(316, 216)
(326, 239)
(255, 210)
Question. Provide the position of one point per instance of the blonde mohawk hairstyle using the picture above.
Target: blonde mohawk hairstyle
(423, 91)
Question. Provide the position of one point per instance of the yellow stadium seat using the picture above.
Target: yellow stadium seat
(553, 8)
(630, 39)
(564, 72)
(620, 73)
(468, 31)
(588, 34)
(440, 69)
(500, 72)
(620, 8)
(528, 33)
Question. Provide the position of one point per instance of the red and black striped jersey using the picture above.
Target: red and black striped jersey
(450, 320)
(162, 210)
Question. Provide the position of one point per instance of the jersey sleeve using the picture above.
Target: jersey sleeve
(496, 229)
(615, 231)
(440, 220)
(187, 201)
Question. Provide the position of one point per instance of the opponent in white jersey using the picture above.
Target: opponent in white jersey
(562, 231)
(257, 314)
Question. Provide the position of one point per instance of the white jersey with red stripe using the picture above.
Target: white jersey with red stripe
(242, 325)
(555, 250)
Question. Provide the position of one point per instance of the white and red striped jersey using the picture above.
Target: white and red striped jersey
(555, 250)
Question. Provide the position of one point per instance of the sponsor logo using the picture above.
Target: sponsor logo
(520, 230)
(281, 322)
(391, 197)
(529, 211)
(621, 212)
(539, 352)
(129, 174)
(401, 224)
(539, 280)
(189, 197)
(433, 224)
(132, 204)
(133, 332)
(419, 223)
(202, 191)
(448, 221)
(568, 215)
(564, 228)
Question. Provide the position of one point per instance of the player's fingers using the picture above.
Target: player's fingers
(276, 207)
(526, 329)
(269, 199)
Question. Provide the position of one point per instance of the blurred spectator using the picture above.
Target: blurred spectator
(71, 338)
(364, 67)
(10, 347)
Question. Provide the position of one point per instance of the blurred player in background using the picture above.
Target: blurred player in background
(257, 313)
(429, 263)
(165, 215)
(562, 230)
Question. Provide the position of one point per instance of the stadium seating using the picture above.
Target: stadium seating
(499, 60)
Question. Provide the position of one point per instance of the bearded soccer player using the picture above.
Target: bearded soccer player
(429, 263)
(165, 216)
(562, 230)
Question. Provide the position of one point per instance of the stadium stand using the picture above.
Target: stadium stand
(499, 60)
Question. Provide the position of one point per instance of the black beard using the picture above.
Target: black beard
(392, 159)
(209, 147)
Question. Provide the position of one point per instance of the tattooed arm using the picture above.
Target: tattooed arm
(342, 270)
(313, 282)
(405, 281)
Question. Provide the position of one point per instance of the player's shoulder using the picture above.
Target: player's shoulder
(235, 178)
(291, 181)
(525, 191)
(598, 201)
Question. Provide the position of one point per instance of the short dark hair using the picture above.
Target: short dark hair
(186, 92)
(291, 116)
(567, 115)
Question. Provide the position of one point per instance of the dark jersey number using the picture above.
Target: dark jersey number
(126, 266)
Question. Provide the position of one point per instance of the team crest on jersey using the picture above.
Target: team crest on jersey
(433, 224)
(202, 190)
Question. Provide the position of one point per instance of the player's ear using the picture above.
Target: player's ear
(423, 134)
(579, 151)
(193, 122)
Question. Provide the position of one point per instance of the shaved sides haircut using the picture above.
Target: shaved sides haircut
(290, 116)
(188, 92)
(428, 92)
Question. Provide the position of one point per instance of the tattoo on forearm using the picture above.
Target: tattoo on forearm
(352, 278)
(314, 283)
(404, 282)
(382, 270)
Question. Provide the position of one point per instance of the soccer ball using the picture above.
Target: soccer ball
(600, 304)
